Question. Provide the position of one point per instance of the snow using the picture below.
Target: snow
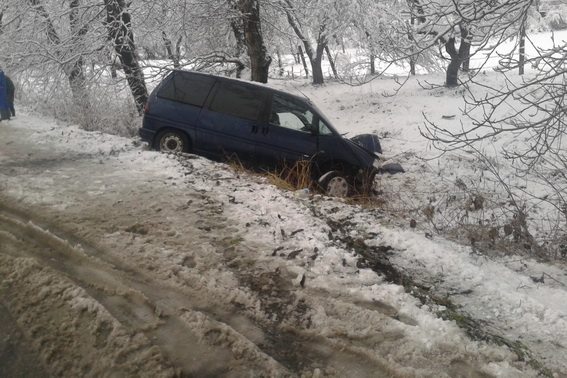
(346, 302)
(263, 231)
(503, 297)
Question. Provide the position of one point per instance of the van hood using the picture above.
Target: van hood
(364, 156)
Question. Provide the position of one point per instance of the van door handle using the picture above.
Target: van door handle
(265, 130)
(254, 129)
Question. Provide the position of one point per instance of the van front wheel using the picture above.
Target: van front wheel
(335, 184)
(172, 141)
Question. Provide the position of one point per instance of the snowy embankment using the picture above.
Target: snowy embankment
(507, 292)
(502, 294)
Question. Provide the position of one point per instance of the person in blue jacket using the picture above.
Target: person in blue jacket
(11, 92)
(4, 100)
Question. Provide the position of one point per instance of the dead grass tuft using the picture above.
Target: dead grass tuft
(236, 164)
(293, 177)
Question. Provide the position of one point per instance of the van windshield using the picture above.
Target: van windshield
(325, 126)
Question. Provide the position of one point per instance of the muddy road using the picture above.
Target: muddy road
(115, 261)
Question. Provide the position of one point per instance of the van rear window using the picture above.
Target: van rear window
(187, 88)
(239, 100)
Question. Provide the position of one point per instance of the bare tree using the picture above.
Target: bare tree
(457, 58)
(68, 52)
(76, 74)
(237, 26)
(531, 111)
(119, 24)
(173, 52)
(459, 27)
(260, 60)
(385, 28)
(322, 19)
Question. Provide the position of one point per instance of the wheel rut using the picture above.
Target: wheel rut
(195, 337)
(163, 314)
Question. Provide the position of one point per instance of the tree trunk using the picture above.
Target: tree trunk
(331, 62)
(417, 17)
(318, 77)
(457, 57)
(76, 75)
(294, 53)
(522, 52)
(238, 31)
(171, 55)
(453, 74)
(120, 32)
(465, 66)
(259, 59)
(178, 49)
(302, 56)
(280, 65)
(317, 70)
(372, 53)
(465, 49)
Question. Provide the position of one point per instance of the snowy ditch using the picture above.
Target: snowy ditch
(321, 239)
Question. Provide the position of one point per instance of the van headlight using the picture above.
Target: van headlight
(376, 164)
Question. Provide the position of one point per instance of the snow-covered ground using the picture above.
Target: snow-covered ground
(115, 259)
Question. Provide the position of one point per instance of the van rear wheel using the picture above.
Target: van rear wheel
(335, 184)
(172, 141)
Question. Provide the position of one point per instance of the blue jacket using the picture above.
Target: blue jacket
(4, 104)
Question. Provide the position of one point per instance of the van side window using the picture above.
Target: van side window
(290, 114)
(187, 88)
(324, 129)
(241, 101)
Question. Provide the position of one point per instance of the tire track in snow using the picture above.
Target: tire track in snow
(196, 338)
(139, 304)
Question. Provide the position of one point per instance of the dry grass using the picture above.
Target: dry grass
(298, 176)
(236, 164)
(293, 177)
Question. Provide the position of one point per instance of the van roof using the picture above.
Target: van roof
(246, 82)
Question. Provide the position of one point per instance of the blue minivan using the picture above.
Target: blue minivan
(219, 117)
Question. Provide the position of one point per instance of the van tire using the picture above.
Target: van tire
(335, 184)
(172, 141)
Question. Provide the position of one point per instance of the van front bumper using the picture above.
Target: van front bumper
(364, 180)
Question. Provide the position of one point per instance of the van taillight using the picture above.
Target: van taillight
(147, 107)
